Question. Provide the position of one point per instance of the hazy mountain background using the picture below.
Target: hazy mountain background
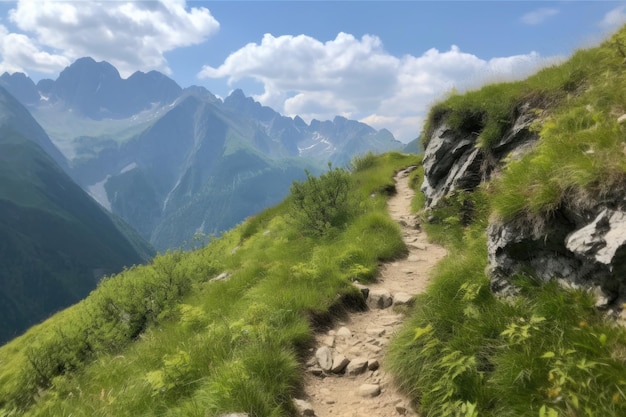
(56, 242)
(175, 162)
(165, 164)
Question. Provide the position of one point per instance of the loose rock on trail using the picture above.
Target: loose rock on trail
(346, 376)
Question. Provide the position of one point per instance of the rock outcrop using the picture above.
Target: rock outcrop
(580, 249)
(452, 161)
(581, 245)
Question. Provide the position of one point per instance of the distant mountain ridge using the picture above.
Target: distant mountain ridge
(95, 90)
(55, 241)
(173, 162)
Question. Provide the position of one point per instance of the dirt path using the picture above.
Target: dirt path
(363, 388)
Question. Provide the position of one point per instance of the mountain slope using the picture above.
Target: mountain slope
(219, 330)
(15, 115)
(525, 183)
(56, 241)
(192, 170)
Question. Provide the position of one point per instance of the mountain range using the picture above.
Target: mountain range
(167, 166)
(176, 162)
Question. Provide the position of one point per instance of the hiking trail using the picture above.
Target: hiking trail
(346, 376)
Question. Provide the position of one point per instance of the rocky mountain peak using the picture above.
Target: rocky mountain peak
(96, 90)
(238, 101)
(21, 87)
(89, 67)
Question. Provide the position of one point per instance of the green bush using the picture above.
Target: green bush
(320, 203)
(361, 163)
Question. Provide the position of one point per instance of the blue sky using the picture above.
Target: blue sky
(380, 62)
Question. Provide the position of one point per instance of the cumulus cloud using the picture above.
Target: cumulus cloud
(538, 16)
(614, 18)
(19, 52)
(357, 78)
(129, 35)
(352, 68)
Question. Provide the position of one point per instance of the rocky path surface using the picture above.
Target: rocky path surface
(346, 377)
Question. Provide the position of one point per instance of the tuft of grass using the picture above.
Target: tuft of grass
(363, 162)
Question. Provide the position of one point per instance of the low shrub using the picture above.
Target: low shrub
(320, 203)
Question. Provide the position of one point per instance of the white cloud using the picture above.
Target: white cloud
(18, 53)
(614, 18)
(539, 16)
(352, 68)
(130, 35)
(357, 78)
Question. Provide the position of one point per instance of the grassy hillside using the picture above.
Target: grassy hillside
(221, 329)
(547, 352)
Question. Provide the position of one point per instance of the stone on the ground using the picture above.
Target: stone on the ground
(356, 366)
(329, 341)
(402, 298)
(401, 410)
(391, 320)
(375, 331)
(221, 277)
(364, 290)
(369, 390)
(373, 348)
(324, 358)
(373, 365)
(304, 408)
(339, 363)
(344, 332)
(379, 298)
(315, 370)
(375, 342)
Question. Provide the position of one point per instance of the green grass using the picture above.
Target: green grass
(581, 154)
(464, 352)
(547, 352)
(163, 339)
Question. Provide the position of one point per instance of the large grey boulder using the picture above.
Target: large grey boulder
(339, 363)
(356, 366)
